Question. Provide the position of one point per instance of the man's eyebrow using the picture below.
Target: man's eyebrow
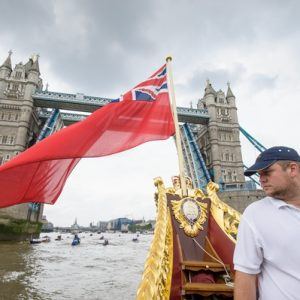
(266, 170)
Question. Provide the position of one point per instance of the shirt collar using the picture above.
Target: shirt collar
(280, 203)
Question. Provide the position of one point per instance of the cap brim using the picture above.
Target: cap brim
(259, 166)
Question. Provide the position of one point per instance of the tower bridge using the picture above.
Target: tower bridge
(82, 103)
(210, 133)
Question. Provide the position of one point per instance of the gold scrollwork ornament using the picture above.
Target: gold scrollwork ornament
(190, 214)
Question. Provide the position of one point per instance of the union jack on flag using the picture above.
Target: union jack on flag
(149, 89)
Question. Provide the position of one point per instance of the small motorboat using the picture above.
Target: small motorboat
(105, 242)
(35, 241)
(45, 239)
(135, 239)
(76, 240)
(101, 237)
(58, 238)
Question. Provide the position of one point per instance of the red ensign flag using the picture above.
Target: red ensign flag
(39, 174)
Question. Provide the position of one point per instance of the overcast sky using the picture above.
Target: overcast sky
(103, 48)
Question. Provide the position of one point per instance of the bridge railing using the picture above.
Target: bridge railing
(72, 98)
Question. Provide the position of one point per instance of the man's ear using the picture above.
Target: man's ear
(295, 169)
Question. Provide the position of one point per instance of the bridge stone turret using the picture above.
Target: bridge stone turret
(19, 121)
(219, 141)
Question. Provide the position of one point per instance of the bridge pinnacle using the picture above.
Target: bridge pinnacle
(209, 89)
(229, 91)
(7, 62)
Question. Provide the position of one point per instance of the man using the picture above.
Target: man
(267, 253)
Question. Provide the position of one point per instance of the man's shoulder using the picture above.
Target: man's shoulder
(259, 206)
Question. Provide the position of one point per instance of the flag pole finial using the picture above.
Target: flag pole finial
(169, 58)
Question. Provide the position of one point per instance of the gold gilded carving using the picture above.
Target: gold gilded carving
(156, 279)
(177, 184)
(227, 218)
(190, 214)
(199, 193)
(231, 224)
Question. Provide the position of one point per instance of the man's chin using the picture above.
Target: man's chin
(275, 194)
(269, 192)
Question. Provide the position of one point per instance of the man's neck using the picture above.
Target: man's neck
(293, 198)
(295, 202)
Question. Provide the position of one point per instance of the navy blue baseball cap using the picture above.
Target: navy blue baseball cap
(270, 156)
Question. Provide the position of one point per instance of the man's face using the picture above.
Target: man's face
(275, 181)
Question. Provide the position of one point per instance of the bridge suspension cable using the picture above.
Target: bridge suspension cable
(258, 146)
(252, 140)
(49, 125)
(196, 165)
(48, 129)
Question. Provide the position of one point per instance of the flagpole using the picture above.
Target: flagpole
(177, 131)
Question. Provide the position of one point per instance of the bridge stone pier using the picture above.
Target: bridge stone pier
(25, 107)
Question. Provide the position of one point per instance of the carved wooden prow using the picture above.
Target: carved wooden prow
(197, 268)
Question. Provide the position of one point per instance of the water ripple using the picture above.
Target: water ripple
(56, 270)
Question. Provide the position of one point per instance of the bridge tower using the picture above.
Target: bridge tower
(19, 123)
(219, 141)
(18, 119)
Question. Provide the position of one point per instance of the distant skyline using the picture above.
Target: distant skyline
(104, 48)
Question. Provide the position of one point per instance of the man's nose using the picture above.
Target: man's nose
(262, 178)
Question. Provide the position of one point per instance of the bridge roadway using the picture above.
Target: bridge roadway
(82, 103)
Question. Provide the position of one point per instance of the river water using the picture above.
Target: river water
(57, 270)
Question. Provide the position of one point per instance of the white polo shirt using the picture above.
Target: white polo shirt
(268, 244)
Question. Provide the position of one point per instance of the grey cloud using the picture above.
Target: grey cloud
(95, 45)
(195, 85)
(261, 82)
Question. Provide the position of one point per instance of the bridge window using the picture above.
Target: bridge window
(11, 140)
(227, 156)
(15, 87)
(16, 117)
(229, 173)
(234, 176)
(4, 139)
(18, 75)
